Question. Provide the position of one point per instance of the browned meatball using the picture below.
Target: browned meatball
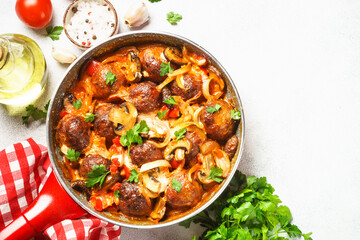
(98, 79)
(166, 94)
(144, 153)
(145, 96)
(231, 146)
(196, 140)
(132, 202)
(90, 161)
(218, 125)
(193, 85)
(74, 132)
(189, 195)
(102, 125)
(151, 58)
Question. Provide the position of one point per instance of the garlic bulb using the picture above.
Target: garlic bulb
(62, 55)
(136, 15)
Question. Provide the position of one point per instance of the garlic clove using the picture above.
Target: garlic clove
(62, 55)
(136, 15)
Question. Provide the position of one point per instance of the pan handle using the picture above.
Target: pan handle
(51, 206)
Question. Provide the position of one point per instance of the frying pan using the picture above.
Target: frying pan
(57, 200)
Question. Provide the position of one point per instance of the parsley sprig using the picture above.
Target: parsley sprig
(77, 104)
(152, 1)
(170, 100)
(98, 175)
(161, 114)
(165, 69)
(236, 115)
(248, 210)
(110, 78)
(116, 193)
(72, 155)
(173, 18)
(215, 174)
(132, 135)
(176, 185)
(89, 117)
(35, 113)
(179, 134)
(134, 176)
(212, 109)
(54, 32)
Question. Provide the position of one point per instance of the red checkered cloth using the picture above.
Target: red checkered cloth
(24, 168)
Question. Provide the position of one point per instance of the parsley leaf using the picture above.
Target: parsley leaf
(152, 1)
(161, 114)
(35, 113)
(89, 117)
(173, 18)
(98, 175)
(134, 176)
(165, 69)
(72, 154)
(54, 32)
(176, 185)
(77, 104)
(116, 193)
(170, 100)
(179, 134)
(214, 109)
(132, 135)
(110, 78)
(215, 174)
(236, 115)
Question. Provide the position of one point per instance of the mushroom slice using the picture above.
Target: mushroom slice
(222, 161)
(208, 146)
(159, 209)
(133, 70)
(173, 145)
(154, 164)
(123, 118)
(151, 182)
(193, 57)
(204, 172)
(174, 55)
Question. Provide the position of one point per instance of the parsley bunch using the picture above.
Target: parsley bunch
(247, 210)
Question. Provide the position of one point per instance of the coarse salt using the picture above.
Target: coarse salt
(92, 22)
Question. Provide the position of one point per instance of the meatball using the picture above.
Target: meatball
(166, 94)
(196, 140)
(145, 96)
(144, 153)
(102, 125)
(132, 202)
(90, 161)
(191, 83)
(231, 146)
(189, 195)
(218, 125)
(74, 132)
(151, 58)
(98, 79)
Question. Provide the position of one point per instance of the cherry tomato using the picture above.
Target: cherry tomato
(34, 13)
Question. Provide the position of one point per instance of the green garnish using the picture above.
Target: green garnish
(72, 154)
(170, 100)
(132, 135)
(173, 18)
(247, 210)
(161, 114)
(77, 104)
(116, 193)
(152, 1)
(134, 176)
(89, 117)
(179, 134)
(176, 185)
(54, 32)
(110, 78)
(214, 109)
(35, 113)
(165, 69)
(98, 175)
(215, 174)
(236, 115)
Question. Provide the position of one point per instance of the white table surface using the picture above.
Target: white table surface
(296, 65)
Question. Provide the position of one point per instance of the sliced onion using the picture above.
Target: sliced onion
(196, 118)
(150, 165)
(113, 59)
(208, 147)
(182, 70)
(222, 161)
(192, 170)
(180, 82)
(164, 83)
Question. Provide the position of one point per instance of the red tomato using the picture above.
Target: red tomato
(93, 65)
(34, 13)
(174, 113)
(174, 164)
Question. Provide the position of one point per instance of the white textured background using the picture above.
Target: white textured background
(296, 64)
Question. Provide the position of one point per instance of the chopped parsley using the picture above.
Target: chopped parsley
(35, 113)
(173, 18)
(161, 114)
(236, 115)
(215, 174)
(110, 78)
(72, 154)
(176, 185)
(170, 100)
(179, 134)
(77, 104)
(216, 108)
(134, 176)
(54, 32)
(132, 135)
(165, 69)
(89, 117)
(116, 193)
(98, 175)
(152, 1)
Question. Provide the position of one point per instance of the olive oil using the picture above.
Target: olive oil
(22, 72)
